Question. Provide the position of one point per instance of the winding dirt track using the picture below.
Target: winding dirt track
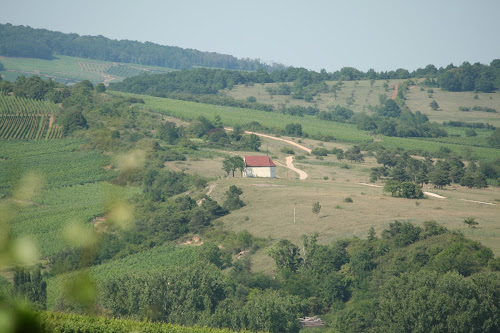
(275, 138)
(289, 159)
(289, 165)
(280, 139)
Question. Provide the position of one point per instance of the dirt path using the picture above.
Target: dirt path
(289, 165)
(434, 195)
(480, 202)
(426, 193)
(210, 189)
(275, 138)
(280, 139)
(395, 92)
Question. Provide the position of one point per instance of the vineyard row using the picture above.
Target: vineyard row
(29, 127)
(18, 105)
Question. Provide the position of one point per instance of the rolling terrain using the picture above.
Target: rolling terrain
(134, 213)
(68, 70)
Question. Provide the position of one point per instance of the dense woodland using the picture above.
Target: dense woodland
(26, 42)
(467, 77)
(405, 278)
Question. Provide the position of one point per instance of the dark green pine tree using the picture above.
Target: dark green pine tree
(399, 173)
(440, 174)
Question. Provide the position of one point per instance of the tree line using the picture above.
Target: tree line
(21, 41)
(484, 78)
(27, 42)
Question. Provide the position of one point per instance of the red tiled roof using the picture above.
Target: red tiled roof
(259, 161)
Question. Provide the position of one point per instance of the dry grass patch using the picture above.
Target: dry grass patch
(270, 210)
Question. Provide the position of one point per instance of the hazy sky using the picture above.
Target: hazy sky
(379, 34)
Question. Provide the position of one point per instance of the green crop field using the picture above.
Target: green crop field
(60, 163)
(46, 217)
(74, 188)
(24, 118)
(312, 125)
(60, 322)
(236, 116)
(66, 69)
(158, 258)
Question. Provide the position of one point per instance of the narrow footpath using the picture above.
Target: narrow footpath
(289, 165)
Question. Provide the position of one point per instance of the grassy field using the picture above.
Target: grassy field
(71, 69)
(364, 95)
(269, 212)
(449, 103)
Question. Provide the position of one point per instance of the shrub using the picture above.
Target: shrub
(286, 150)
(470, 132)
(320, 152)
(408, 190)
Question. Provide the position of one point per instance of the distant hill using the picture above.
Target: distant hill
(27, 42)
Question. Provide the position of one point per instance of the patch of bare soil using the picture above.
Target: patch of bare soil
(193, 241)
(434, 195)
(99, 223)
(242, 253)
(373, 185)
(395, 92)
(108, 79)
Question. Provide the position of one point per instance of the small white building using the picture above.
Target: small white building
(259, 166)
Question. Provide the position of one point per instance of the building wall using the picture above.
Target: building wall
(265, 172)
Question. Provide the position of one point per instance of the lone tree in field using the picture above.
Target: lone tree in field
(316, 208)
(434, 105)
